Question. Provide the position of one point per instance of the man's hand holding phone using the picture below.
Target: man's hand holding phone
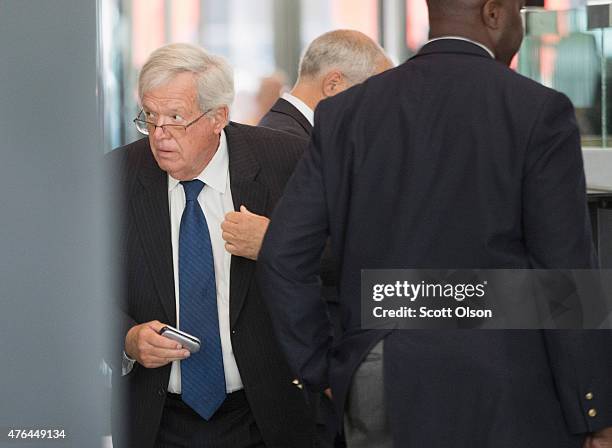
(151, 350)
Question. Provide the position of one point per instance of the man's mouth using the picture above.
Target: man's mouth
(165, 150)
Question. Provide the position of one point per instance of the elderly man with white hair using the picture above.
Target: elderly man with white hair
(193, 170)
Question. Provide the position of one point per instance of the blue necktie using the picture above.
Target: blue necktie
(202, 375)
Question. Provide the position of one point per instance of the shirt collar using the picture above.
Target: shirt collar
(301, 106)
(466, 40)
(215, 173)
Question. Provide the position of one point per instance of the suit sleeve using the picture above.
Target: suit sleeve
(558, 236)
(555, 216)
(581, 362)
(289, 271)
(116, 169)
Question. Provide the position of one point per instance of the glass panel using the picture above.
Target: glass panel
(563, 50)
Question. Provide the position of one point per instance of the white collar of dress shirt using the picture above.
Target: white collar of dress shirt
(215, 173)
(466, 40)
(301, 106)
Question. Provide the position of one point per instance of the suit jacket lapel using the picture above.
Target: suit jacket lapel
(150, 206)
(282, 106)
(243, 169)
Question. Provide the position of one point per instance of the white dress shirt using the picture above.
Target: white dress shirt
(301, 106)
(216, 201)
(484, 47)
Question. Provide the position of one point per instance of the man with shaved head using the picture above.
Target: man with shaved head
(449, 161)
(494, 24)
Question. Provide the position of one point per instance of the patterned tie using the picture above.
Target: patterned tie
(202, 375)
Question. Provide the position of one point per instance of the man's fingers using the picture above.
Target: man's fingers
(245, 210)
(152, 338)
(229, 237)
(151, 356)
(233, 217)
(601, 439)
(159, 341)
(156, 325)
(230, 226)
(152, 362)
(169, 354)
(328, 393)
(231, 248)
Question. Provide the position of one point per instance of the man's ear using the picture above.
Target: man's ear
(221, 118)
(333, 83)
(492, 14)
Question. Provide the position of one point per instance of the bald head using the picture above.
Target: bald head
(335, 61)
(496, 24)
(450, 9)
(353, 53)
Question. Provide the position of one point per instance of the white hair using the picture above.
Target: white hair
(214, 76)
(353, 53)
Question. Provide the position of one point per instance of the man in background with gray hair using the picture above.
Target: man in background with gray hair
(332, 63)
(174, 188)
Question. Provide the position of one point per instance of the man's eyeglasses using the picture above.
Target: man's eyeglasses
(146, 127)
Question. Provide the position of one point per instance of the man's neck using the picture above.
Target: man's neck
(474, 34)
(307, 93)
(465, 39)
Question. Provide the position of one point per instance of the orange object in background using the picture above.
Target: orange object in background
(359, 15)
(185, 20)
(148, 29)
(417, 24)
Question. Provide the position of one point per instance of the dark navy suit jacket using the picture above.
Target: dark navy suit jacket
(450, 160)
(284, 116)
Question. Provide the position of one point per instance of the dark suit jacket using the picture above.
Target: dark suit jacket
(451, 160)
(284, 116)
(260, 163)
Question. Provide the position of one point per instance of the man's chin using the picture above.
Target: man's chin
(167, 162)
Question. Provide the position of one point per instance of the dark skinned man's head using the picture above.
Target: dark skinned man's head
(497, 24)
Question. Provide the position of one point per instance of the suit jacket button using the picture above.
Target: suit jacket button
(592, 412)
(161, 392)
(589, 396)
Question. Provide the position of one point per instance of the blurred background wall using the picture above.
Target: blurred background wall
(53, 277)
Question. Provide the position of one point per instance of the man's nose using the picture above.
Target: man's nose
(160, 133)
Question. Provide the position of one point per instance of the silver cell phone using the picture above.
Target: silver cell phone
(188, 341)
